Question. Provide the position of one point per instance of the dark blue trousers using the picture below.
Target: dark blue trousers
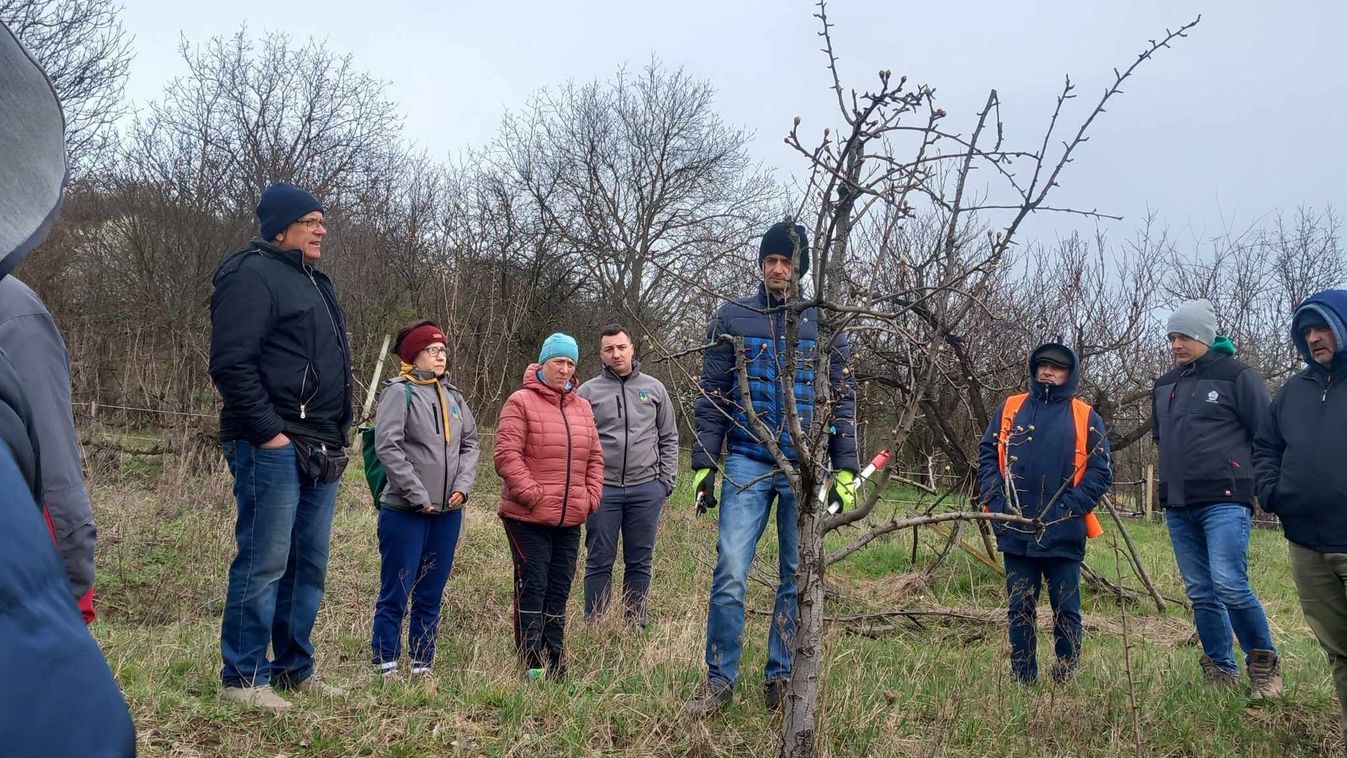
(1024, 579)
(417, 551)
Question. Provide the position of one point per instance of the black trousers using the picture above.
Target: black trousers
(544, 566)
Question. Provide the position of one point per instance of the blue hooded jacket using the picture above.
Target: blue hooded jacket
(1042, 464)
(1299, 451)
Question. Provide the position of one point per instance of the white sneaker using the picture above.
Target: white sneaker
(420, 670)
(263, 697)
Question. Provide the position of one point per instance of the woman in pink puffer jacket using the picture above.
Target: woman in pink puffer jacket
(548, 455)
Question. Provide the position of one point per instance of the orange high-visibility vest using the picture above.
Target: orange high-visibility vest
(1080, 414)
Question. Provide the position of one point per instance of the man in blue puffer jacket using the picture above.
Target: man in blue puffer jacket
(752, 476)
(1298, 457)
(1037, 446)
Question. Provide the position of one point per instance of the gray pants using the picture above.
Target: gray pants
(634, 513)
(1321, 582)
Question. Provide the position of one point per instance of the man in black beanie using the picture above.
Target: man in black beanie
(752, 478)
(280, 360)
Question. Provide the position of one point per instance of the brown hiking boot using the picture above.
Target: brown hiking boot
(1265, 675)
(1215, 676)
(709, 699)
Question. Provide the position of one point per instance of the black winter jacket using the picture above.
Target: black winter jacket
(278, 351)
(1300, 453)
(1205, 416)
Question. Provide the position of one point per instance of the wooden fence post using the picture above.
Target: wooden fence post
(1149, 491)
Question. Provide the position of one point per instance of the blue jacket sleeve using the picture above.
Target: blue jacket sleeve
(842, 437)
(1081, 499)
(715, 404)
(990, 481)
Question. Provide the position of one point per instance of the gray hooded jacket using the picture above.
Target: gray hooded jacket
(423, 468)
(635, 417)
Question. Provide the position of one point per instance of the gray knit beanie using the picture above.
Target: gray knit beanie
(1195, 319)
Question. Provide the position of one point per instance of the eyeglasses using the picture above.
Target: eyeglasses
(435, 351)
(311, 223)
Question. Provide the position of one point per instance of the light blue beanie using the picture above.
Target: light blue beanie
(559, 345)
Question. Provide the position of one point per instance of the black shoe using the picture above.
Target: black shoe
(712, 696)
(1064, 671)
(774, 693)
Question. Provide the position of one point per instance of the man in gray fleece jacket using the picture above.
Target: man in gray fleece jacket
(635, 418)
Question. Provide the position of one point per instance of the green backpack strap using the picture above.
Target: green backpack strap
(376, 476)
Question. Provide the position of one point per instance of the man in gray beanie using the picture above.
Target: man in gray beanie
(1205, 412)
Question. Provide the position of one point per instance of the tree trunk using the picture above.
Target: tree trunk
(798, 729)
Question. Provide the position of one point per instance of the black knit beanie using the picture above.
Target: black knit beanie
(777, 241)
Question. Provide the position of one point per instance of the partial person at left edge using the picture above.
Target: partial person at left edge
(57, 694)
(279, 358)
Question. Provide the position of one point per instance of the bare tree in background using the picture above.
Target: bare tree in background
(86, 52)
(641, 184)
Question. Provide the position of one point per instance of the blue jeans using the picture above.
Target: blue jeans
(276, 580)
(745, 508)
(1211, 546)
(416, 552)
(1024, 579)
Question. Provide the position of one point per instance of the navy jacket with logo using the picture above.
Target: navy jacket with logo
(1205, 415)
(719, 411)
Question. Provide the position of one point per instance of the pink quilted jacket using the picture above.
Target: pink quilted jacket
(548, 454)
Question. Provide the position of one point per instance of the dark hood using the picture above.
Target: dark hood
(1052, 394)
(33, 168)
(1331, 305)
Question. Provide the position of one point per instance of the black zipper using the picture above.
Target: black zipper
(626, 429)
(566, 494)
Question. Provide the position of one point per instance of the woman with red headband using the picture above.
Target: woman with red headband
(427, 441)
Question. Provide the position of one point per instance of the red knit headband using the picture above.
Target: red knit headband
(417, 340)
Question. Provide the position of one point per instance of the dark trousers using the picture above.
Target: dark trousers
(633, 513)
(417, 553)
(1024, 579)
(544, 565)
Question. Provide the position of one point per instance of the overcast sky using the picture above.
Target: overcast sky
(1240, 120)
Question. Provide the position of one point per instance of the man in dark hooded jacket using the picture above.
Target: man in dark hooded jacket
(1298, 457)
(1033, 461)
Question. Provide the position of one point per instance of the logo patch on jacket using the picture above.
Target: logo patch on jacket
(455, 412)
(643, 396)
(1213, 397)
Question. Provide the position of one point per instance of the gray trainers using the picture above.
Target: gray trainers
(1215, 676)
(264, 698)
(709, 699)
(1265, 675)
